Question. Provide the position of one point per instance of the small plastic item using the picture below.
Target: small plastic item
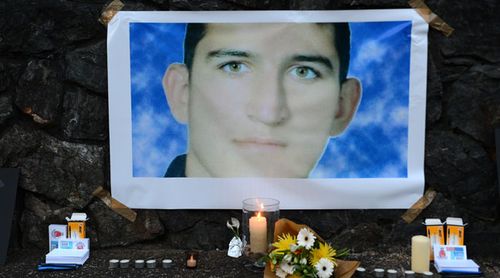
(55, 267)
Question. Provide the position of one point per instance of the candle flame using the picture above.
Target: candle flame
(191, 258)
(258, 214)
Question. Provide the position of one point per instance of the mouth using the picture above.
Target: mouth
(265, 143)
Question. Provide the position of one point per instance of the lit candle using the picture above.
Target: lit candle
(258, 234)
(420, 252)
(191, 262)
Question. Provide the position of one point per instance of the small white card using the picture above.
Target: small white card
(450, 252)
(72, 243)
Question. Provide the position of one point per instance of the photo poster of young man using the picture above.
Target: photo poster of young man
(318, 102)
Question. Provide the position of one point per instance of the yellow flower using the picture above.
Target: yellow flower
(283, 243)
(323, 251)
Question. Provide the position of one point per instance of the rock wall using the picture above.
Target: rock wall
(54, 126)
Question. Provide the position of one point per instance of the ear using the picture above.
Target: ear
(350, 95)
(176, 87)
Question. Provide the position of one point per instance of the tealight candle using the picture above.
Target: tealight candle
(124, 263)
(166, 263)
(191, 262)
(379, 272)
(360, 272)
(151, 263)
(392, 273)
(139, 263)
(113, 263)
(409, 274)
(258, 233)
(428, 274)
(420, 252)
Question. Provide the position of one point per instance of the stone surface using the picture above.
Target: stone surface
(195, 229)
(84, 115)
(199, 5)
(39, 90)
(87, 66)
(460, 168)
(434, 93)
(4, 77)
(37, 217)
(6, 108)
(473, 102)
(65, 172)
(113, 229)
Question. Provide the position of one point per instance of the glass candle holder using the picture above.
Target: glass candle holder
(259, 217)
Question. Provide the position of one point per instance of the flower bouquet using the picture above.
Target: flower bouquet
(300, 252)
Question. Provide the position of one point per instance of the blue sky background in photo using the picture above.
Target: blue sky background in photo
(374, 145)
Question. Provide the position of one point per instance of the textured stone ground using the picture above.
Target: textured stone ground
(22, 262)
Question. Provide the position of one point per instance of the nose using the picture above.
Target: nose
(268, 102)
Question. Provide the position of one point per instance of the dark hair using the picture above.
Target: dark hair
(341, 33)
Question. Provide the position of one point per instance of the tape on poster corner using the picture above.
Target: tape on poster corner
(434, 20)
(109, 11)
(115, 205)
(419, 206)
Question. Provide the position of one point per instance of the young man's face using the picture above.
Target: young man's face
(262, 100)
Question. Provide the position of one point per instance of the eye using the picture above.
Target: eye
(303, 72)
(234, 67)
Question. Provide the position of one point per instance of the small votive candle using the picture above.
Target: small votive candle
(392, 273)
(428, 274)
(151, 263)
(360, 272)
(166, 263)
(191, 261)
(114, 263)
(139, 264)
(409, 274)
(379, 272)
(124, 263)
(420, 252)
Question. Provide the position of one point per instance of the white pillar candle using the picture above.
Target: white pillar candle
(420, 252)
(258, 234)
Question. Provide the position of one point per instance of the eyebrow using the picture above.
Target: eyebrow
(228, 53)
(313, 58)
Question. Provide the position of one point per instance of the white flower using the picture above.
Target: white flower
(288, 258)
(235, 223)
(293, 247)
(306, 238)
(324, 268)
(303, 261)
(280, 273)
(287, 267)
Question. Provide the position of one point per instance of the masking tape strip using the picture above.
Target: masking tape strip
(115, 205)
(434, 20)
(419, 206)
(109, 11)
